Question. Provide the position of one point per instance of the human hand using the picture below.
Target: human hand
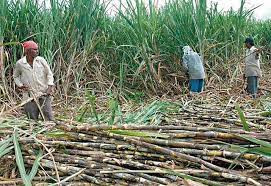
(244, 76)
(257, 53)
(24, 88)
(50, 90)
(187, 74)
(259, 50)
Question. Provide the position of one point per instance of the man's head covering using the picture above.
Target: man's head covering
(187, 50)
(250, 41)
(30, 45)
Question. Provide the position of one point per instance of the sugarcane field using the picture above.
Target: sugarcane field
(135, 92)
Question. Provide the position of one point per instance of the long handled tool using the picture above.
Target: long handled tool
(22, 104)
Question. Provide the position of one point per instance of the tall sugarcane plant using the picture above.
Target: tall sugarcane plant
(137, 47)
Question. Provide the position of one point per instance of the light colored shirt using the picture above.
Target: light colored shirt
(252, 63)
(192, 62)
(37, 78)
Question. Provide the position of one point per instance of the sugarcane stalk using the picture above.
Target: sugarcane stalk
(20, 181)
(227, 176)
(71, 177)
(94, 137)
(223, 160)
(168, 152)
(87, 145)
(166, 165)
(151, 179)
(93, 128)
(67, 169)
(73, 183)
(180, 156)
(201, 132)
(49, 173)
(90, 165)
(98, 149)
(177, 144)
(116, 161)
(210, 134)
(266, 170)
(233, 121)
(129, 163)
(81, 162)
(224, 153)
(135, 156)
(137, 165)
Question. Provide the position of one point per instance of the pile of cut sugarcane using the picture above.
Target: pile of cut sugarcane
(201, 145)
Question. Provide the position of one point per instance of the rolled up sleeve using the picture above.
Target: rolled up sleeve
(49, 73)
(50, 77)
(185, 61)
(17, 75)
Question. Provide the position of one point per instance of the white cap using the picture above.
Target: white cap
(187, 50)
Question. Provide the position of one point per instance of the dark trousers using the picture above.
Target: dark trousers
(32, 110)
(252, 85)
(196, 85)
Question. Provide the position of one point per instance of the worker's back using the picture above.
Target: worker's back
(194, 65)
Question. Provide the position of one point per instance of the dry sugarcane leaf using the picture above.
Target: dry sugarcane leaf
(13, 173)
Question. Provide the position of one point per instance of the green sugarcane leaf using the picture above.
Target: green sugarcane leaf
(264, 151)
(237, 148)
(113, 106)
(4, 144)
(82, 115)
(20, 161)
(257, 141)
(9, 43)
(58, 134)
(243, 119)
(92, 101)
(5, 151)
(266, 114)
(35, 166)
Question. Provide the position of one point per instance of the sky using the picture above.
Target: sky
(263, 12)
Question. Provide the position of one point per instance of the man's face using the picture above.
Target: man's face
(32, 52)
(247, 45)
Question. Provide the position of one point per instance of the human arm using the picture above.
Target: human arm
(50, 78)
(258, 53)
(17, 77)
(185, 65)
(50, 90)
(184, 62)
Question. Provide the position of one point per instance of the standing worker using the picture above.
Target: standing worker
(193, 64)
(252, 67)
(34, 78)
